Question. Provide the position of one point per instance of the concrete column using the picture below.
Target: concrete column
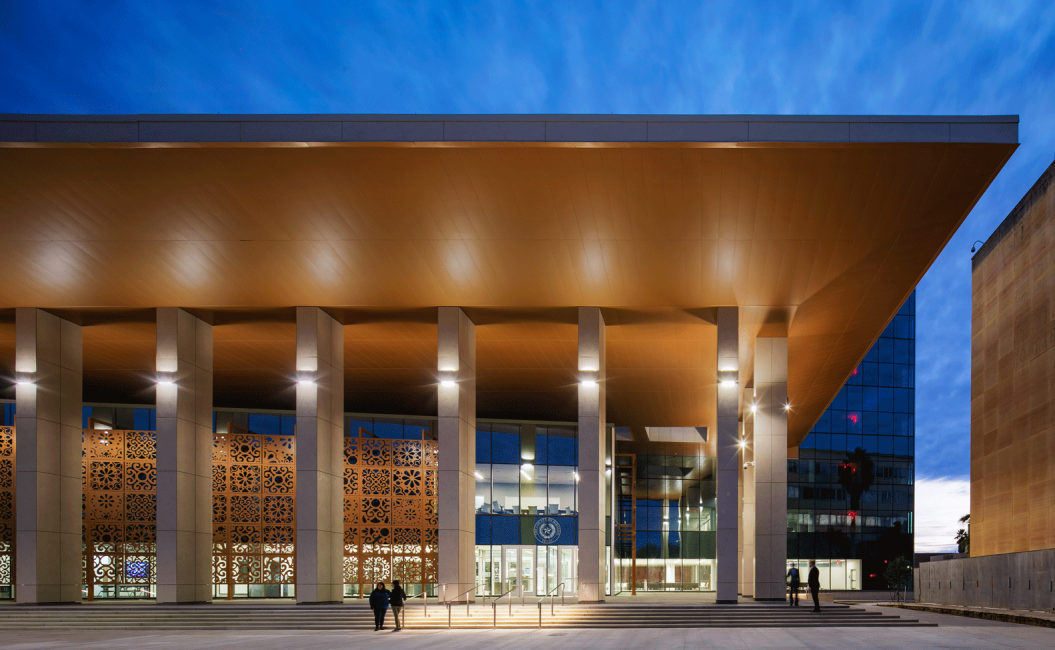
(320, 457)
(48, 453)
(747, 531)
(184, 457)
(728, 448)
(591, 455)
(771, 467)
(456, 362)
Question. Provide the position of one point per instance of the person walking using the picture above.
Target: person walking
(379, 603)
(396, 600)
(793, 582)
(814, 582)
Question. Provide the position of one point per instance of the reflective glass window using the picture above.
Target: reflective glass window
(505, 443)
(561, 442)
(505, 489)
(264, 423)
(483, 443)
(389, 429)
(360, 428)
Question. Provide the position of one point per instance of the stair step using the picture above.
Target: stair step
(282, 616)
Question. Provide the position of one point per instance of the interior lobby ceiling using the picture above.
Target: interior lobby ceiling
(820, 243)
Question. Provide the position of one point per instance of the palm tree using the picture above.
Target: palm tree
(856, 475)
(963, 537)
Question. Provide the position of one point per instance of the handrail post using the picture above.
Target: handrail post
(494, 613)
(448, 615)
(540, 614)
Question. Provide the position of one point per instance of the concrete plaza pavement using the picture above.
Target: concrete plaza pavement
(951, 632)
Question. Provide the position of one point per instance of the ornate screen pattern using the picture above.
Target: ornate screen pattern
(119, 506)
(253, 509)
(7, 511)
(391, 521)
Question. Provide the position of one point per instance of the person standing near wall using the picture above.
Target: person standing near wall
(794, 583)
(814, 582)
(396, 599)
(379, 603)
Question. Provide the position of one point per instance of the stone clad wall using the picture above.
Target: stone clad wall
(1012, 580)
(1013, 380)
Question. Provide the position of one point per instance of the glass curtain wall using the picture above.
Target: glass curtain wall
(850, 491)
(526, 506)
(673, 495)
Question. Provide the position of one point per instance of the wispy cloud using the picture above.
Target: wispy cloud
(940, 502)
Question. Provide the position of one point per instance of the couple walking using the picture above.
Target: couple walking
(381, 598)
(813, 581)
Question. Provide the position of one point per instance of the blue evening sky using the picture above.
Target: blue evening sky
(879, 57)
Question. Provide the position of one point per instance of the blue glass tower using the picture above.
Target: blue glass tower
(850, 491)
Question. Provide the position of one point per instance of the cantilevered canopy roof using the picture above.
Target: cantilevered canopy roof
(817, 227)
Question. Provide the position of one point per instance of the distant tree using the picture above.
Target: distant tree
(856, 475)
(963, 537)
(898, 573)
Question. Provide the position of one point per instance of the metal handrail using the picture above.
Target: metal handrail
(494, 606)
(550, 594)
(467, 602)
(424, 596)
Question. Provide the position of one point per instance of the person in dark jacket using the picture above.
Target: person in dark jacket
(793, 582)
(814, 582)
(379, 603)
(396, 599)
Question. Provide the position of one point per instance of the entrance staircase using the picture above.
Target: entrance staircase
(267, 616)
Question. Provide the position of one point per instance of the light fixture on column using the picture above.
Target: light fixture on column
(743, 443)
(166, 377)
(576, 475)
(727, 377)
(306, 377)
(448, 378)
(24, 378)
(588, 377)
(787, 406)
(525, 468)
(754, 407)
(479, 476)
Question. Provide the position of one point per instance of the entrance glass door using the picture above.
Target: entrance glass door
(539, 569)
(518, 569)
(569, 568)
(488, 569)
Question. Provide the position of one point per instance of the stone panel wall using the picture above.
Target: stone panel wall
(1013, 380)
(1012, 581)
